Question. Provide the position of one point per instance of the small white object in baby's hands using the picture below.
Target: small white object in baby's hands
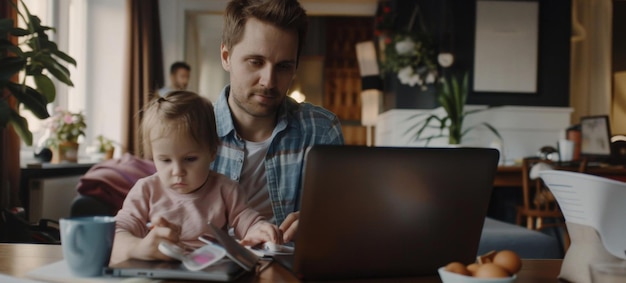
(196, 260)
(277, 249)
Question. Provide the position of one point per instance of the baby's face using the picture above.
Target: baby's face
(182, 164)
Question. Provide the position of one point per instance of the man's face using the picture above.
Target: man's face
(180, 79)
(261, 66)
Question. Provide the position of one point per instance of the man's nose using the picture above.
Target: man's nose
(268, 77)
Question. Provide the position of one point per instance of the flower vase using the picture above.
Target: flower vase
(108, 154)
(65, 152)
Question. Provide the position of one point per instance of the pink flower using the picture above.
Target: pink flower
(67, 118)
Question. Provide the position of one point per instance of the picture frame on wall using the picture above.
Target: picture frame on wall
(506, 46)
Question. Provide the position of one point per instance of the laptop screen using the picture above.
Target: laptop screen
(596, 136)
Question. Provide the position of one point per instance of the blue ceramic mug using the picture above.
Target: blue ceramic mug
(87, 243)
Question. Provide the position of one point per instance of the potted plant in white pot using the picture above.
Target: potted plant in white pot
(452, 96)
(105, 147)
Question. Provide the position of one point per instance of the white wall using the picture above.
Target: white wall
(524, 129)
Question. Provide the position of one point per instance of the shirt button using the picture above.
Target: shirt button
(240, 160)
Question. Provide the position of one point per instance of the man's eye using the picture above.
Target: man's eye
(255, 62)
(191, 159)
(287, 67)
(165, 160)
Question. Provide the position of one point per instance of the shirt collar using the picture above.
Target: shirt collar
(223, 116)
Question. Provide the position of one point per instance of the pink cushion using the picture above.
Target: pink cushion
(110, 180)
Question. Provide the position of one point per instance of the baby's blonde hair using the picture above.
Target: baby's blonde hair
(180, 113)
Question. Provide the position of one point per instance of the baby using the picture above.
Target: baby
(179, 133)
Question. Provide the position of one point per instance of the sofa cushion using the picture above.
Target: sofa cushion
(109, 181)
(498, 235)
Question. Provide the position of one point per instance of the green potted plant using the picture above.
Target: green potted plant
(105, 147)
(40, 59)
(452, 97)
(65, 128)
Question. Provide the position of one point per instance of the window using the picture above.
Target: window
(94, 33)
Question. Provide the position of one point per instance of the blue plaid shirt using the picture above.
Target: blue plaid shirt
(299, 127)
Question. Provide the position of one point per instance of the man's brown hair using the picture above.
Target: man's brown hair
(284, 14)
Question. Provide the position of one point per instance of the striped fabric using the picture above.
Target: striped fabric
(299, 127)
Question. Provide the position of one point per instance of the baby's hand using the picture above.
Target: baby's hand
(161, 230)
(262, 232)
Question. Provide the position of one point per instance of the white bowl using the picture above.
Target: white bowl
(451, 277)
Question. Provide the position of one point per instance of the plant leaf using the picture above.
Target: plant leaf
(7, 45)
(411, 128)
(426, 124)
(10, 66)
(470, 112)
(465, 88)
(34, 21)
(64, 56)
(56, 69)
(493, 130)
(20, 125)
(62, 76)
(32, 99)
(458, 99)
(46, 87)
(484, 124)
(19, 32)
(54, 49)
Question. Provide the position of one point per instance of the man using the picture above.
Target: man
(179, 78)
(264, 133)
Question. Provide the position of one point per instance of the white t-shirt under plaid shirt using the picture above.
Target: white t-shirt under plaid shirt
(299, 127)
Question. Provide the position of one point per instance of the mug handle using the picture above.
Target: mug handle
(72, 230)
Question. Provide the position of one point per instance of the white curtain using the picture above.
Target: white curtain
(590, 78)
(618, 116)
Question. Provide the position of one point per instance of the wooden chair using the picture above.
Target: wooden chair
(539, 210)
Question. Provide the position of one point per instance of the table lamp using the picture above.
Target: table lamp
(371, 86)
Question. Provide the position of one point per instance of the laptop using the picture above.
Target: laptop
(239, 261)
(370, 212)
(224, 270)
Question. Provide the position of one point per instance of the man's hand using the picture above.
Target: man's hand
(289, 227)
(262, 232)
